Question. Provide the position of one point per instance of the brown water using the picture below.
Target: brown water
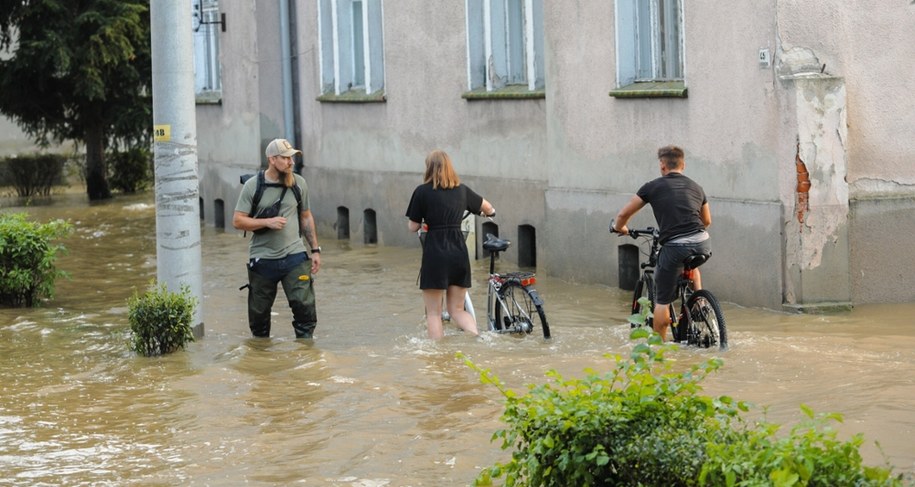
(370, 402)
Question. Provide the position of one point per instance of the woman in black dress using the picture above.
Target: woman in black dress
(440, 203)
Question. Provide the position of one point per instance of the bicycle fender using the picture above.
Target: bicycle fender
(535, 297)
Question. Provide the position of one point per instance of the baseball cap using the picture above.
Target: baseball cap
(281, 147)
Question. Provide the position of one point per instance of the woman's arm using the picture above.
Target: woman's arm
(486, 208)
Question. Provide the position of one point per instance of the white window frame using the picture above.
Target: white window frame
(351, 46)
(207, 70)
(505, 44)
(650, 41)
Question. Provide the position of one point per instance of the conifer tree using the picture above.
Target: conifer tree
(78, 70)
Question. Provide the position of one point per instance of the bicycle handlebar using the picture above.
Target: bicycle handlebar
(637, 232)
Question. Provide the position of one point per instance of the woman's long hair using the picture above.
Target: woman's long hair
(440, 171)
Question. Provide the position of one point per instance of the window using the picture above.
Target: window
(505, 45)
(351, 49)
(650, 47)
(206, 24)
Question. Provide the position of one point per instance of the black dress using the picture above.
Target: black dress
(445, 259)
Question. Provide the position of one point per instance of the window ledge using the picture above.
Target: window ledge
(513, 92)
(654, 89)
(208, 98)
(353, 96)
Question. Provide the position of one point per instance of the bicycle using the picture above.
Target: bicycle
(700, 321)
(513, 306)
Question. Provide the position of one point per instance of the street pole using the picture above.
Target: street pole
(175, 146)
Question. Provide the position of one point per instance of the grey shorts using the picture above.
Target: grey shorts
(670, 266)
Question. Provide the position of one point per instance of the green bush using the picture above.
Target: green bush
(130, 171)
(33, 174)
(27, 255)
(641, 424)
(810, 455)
(161, 320)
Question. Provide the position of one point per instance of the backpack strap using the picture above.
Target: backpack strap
(258, 192)
(298, 199)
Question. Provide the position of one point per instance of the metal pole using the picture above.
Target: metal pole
(175, 146)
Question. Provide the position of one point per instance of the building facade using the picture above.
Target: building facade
(794, 115)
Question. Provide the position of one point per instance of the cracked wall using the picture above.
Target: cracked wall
(816, 239)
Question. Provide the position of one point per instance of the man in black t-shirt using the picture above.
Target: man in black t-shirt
(681, 210)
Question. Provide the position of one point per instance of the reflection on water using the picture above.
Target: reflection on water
(370, 402)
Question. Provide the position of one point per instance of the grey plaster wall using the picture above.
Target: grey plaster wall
(881, 255)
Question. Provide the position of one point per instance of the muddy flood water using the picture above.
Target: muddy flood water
(371, 401)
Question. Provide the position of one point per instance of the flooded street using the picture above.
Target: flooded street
(371, 402)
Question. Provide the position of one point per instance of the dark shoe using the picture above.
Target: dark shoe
(304, 330)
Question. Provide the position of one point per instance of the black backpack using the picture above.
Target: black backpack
(259, 192)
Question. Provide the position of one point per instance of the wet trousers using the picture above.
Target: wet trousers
(294, 272)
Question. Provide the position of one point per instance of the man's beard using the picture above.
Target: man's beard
(287, 177)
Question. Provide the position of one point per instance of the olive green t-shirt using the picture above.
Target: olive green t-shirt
(275, 244)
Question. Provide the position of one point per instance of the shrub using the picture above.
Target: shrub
(643, 424)
(161, 320)
(27, 255)
(131, 170)
(810, 455)
(33, 174)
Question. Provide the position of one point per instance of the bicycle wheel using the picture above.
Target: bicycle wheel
(524, 310)
(643, 288)
(708, 328)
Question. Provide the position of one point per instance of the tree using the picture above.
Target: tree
(78, 70)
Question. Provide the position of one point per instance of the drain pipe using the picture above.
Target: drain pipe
(285, 54)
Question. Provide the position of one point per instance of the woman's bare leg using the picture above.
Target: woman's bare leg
(432, 298)
(459, 315)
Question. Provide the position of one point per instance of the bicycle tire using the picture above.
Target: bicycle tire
(525, 310)
(708, 326)
(643, 288)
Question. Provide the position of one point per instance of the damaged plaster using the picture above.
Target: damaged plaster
(798, 62)
(816, 236)
(822, 201)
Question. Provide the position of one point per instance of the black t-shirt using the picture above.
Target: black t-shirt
(675, 200)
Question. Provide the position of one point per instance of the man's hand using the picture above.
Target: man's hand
(622, 231)
(315, 263)
(275, 223)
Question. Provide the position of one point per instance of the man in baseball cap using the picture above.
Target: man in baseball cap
(278, 254)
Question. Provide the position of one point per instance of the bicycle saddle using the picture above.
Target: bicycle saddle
(495, 244)
(694, 261)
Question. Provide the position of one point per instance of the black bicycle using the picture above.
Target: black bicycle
(700, 321)
(512, 305)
